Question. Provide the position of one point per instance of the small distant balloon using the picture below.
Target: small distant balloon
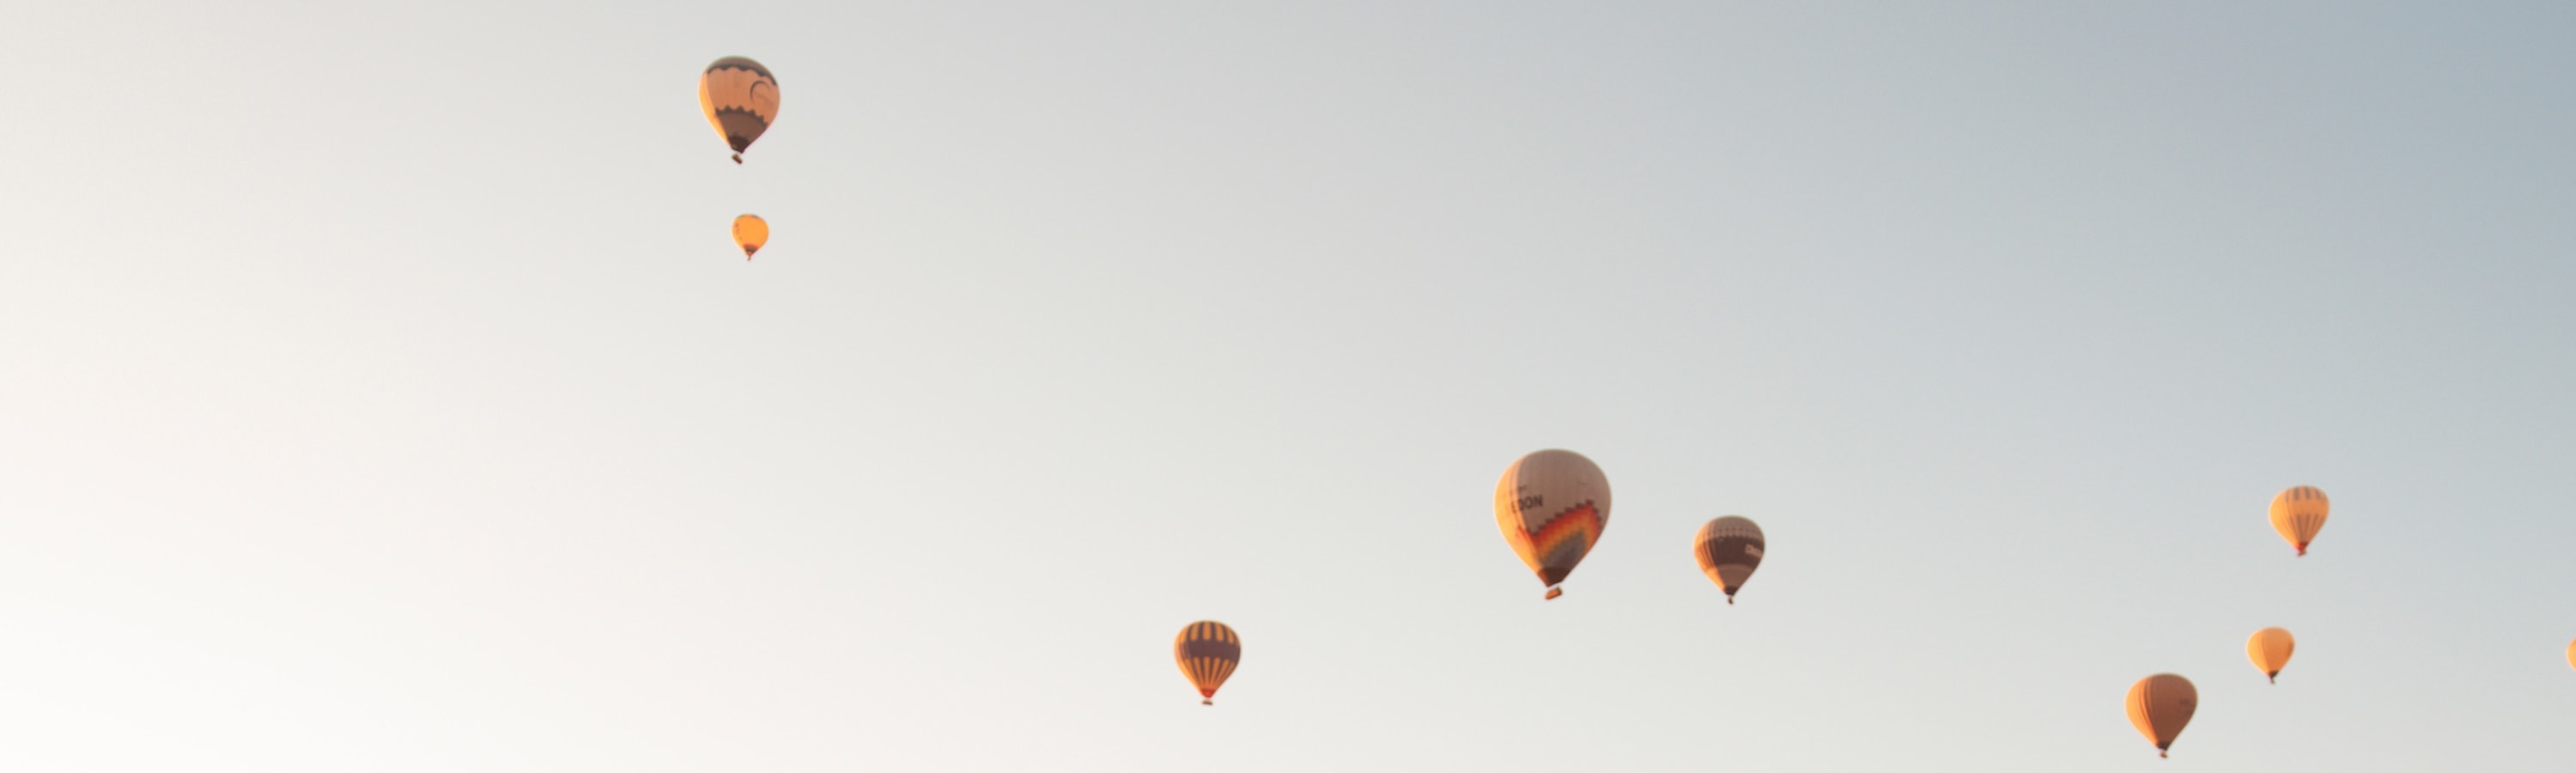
(2571, 654)
(1207, 651)
(740, 98)
(1728, 550)
(1551, 506)
(749, 233)
(2160, 705)
(2297, 513)
(2270, 650)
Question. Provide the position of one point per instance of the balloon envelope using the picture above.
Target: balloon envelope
(1207, 651)
(740, 98)
(749, 233)
(2297, 513)
(1551, 506)
(1729, 549)
(2270, 650)
(2160, 705)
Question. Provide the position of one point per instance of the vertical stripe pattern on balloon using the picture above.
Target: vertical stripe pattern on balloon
(1207, 652)
(2298, 513)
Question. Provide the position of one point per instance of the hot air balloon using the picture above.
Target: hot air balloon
(1728, 549)
(2571, 654)
(2270, 650)
(1207, 651)
(2160, 705)
(2297, 513)
(1552, 506)
(740, 98)
(749, 232)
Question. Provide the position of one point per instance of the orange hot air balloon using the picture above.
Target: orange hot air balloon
(2297, 513)
(749, 233)
(1207, 651)
(2270, 650)
(2160, 705)
(2571, 654)
(1728, 550)
(1551, 506)
(740, 98)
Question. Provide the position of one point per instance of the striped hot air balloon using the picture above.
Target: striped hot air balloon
(2160, 705)
(2270, 650)
(1207, 651)
(1551, 506)
(740, 98)
(1728, 549)
(2297, 513)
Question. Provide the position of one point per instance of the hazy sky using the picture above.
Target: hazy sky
(379, 389)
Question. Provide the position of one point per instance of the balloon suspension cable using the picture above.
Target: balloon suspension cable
(2274, 677)
(2303, 548)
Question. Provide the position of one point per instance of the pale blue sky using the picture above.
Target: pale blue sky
(382, 393)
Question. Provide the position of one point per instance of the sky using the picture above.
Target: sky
(380, 390)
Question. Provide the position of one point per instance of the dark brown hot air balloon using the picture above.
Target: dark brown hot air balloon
(1207, 651)
(2160, 705)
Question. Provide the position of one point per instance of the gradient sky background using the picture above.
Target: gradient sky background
(382, 391)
